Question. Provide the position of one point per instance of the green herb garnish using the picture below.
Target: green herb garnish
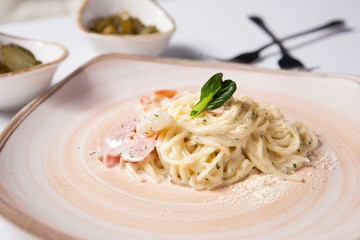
(214, 93)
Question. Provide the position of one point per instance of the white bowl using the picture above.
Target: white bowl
(148, 11)
(20, 87)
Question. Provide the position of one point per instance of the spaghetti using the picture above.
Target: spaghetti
(216, 148)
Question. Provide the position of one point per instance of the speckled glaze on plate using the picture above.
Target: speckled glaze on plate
(52, 186)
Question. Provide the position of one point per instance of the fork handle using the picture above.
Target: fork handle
(258, 21)
(331, 24)
(335, 23)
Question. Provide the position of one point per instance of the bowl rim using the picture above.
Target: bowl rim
(63, 56)
(84, 29)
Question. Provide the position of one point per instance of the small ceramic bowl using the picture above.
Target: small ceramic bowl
(148, 11)
(19, 87)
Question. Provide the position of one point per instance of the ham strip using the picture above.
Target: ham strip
(126, 144)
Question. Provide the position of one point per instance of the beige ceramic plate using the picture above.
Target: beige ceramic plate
(52, 185)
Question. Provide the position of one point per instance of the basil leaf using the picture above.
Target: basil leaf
(210, 88)
(200, 106)
(214, 93)
(227, 90)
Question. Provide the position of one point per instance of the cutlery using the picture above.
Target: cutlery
(286, 61)
(250, 57)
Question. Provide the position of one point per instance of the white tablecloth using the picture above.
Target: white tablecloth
(220, 28)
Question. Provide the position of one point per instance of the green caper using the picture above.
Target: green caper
(122, 23)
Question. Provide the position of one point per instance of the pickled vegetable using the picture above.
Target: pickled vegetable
(14, 57)
(121, 23)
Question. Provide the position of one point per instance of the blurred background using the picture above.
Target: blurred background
(21, 10)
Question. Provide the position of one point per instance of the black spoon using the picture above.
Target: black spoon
(286, 61)
(250, 57)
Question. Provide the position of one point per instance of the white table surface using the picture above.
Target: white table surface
(219, 28)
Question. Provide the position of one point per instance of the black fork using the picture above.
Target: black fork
(286, 61)
(249, 57)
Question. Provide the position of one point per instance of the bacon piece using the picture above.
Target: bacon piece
(111, 144)
(216, 112)
(166, 93)
(136, 149)
(125, 145)
(155, 101)
(147, 103)
(111, 160)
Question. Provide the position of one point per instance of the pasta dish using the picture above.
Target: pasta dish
(209, 148)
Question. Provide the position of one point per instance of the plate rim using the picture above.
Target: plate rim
(38, 229)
